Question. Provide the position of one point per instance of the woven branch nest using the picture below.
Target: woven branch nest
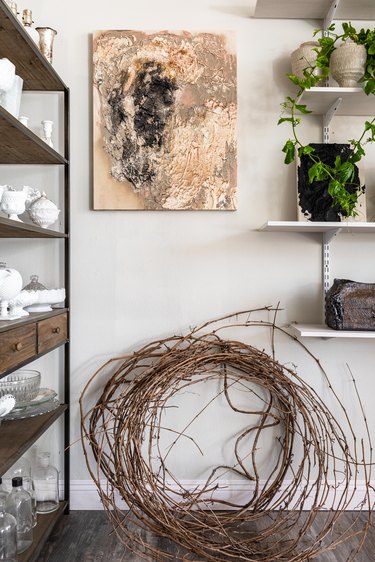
(313, 464)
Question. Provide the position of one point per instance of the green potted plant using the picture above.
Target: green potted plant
(335, 180)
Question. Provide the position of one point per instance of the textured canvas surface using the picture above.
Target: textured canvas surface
(164, 120)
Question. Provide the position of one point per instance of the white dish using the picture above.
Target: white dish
(44, 395)
(7, 403)
(32, 411)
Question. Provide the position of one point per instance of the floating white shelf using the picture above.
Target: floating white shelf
(315, 9)
(322, 227)
(322, 331)
(353, 101)
(328, 230)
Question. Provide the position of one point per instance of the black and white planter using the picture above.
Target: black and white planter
(314, 202)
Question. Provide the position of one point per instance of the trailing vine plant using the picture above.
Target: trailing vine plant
(342, 173)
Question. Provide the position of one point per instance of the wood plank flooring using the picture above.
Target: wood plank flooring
(85, 536)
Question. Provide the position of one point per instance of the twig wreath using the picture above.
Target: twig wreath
(312, 475)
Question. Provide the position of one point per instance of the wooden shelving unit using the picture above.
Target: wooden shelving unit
(18, 435)
(14, 229)
(19, 145)
(32, 66)
(31, 319)
(46, 523)
(25, 339)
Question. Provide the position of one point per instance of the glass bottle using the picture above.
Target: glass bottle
(46, 483)
(27, 20)
(22, 468)
(8, 534)
(18, 504)
(3, 492)
(13, 7)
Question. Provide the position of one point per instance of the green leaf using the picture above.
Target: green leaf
(302, 108)
(289, 149)
(346, 172)
(285, 119)
(294, 79)
(317, 172)
(306, 150)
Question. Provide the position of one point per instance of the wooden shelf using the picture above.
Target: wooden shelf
(14, 229)
(17, 46)
(41, 532)
(19, 145)
(353, 101)
(16, 436)
(322, 331)
(314, 9)
(322, 227)
(33, 317)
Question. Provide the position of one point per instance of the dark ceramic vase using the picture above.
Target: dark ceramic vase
(313, 198)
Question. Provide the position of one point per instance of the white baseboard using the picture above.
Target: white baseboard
(84, 494)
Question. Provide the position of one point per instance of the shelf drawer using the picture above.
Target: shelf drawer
(52, 332)
(17, 346)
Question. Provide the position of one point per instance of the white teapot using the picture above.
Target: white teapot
(10, 286)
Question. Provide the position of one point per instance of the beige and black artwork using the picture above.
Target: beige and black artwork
(165, 110)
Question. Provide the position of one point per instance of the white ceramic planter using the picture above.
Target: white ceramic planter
(304, 57)
(347, 64)
(13, 203)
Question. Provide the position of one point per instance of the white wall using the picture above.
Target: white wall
(138, 276)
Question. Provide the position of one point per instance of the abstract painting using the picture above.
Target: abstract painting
(165, 107)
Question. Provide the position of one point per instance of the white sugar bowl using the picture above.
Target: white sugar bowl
(43, 212)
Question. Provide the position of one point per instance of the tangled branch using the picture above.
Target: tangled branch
(307, 477)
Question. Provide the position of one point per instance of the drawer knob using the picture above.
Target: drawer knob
(18, 346)
(56, 330)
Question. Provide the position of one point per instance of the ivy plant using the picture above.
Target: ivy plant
(341, 173)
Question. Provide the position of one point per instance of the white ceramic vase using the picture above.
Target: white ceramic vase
(11, 100)
(13, 203)
(304, 57)
(7, 75)
(347, 64)
(43, 212)
(47, 128)
(2, 189)
(10, 286)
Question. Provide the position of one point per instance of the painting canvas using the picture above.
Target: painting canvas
(164, 127)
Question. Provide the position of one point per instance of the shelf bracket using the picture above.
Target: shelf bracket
(330, 16)
(327, 237)
(327, 118)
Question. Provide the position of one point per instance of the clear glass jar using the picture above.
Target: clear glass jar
(46, 483)
(22, 468)
(8, 534)
(34, 284)
(18, 504)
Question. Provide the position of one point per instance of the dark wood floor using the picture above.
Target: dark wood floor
(85, 536)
